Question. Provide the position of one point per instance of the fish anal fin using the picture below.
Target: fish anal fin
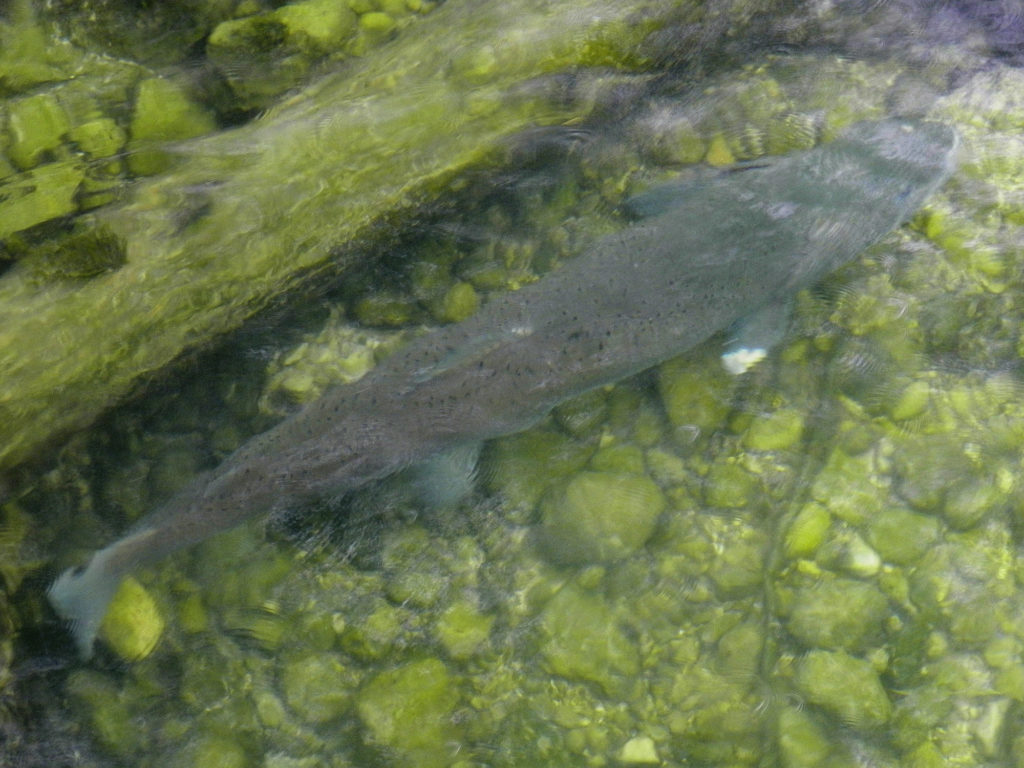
(447, 478)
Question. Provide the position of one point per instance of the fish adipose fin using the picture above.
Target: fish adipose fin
(751, 337)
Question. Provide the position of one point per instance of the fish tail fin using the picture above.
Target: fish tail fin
(81, 596)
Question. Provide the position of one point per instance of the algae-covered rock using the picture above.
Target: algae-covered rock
(911, 402)
(738, 566)
(968, 502)
(740, 649)
(845, 686)
(38, 125)
(639, 750)
(846, 551)
(210, 750)
(599, 517)
(458, 303)
(317, 26)
(374, 636)
(318, 688)
(806, 531)
(106, 711)
(713, 716)
(462, 629)
(522, 466)
(416, 575)
(778, 431)
(264, 54)
(251, 54)
(409, 710)
(377, 24)
(82, 254)
(582, 640)
(618, 458)
(849, 487)
(133, 624)
(900, 535)
(339, 353)
(666, 467)
(694, 396)
(262, 627)
(163, 111)
(802, 742)
(668, 136)
(101, 137)
(28, 57)
(729, 485)
(838, 614)
(42, 194)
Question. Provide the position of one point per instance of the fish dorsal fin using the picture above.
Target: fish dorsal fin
(474, 347)
(662, 198)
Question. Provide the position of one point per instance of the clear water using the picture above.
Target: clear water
(822, 555)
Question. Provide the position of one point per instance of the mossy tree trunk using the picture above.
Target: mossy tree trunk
(245, 215)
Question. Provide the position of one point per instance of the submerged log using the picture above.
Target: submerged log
(245, 215)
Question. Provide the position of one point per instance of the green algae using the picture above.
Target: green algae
(375, 635)
(806, 531)
(463, 630)
(37, 126)
(582, 641)
(900, 535)
(845, 686)
(693, 395)
(599, 517)
(522, 466)
(409, 710)
(318, 688)
(840, 614)
(101, 137)
(84, 254)
(163, 112)
(802, 741)
(28, 56)
(779, 431)
(40, 195)
(458, 303)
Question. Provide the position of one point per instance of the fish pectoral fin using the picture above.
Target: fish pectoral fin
(753, 336)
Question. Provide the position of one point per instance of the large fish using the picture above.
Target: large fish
(699, 262)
